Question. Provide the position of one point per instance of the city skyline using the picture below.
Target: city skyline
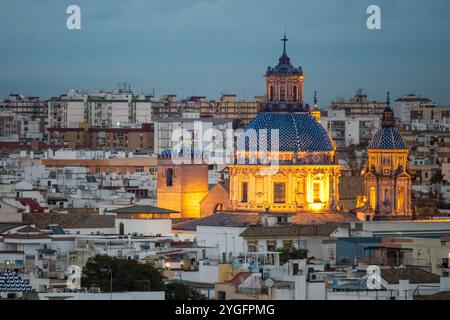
(212, 47)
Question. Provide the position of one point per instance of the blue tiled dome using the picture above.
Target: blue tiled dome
(297, 132)
(387, 138)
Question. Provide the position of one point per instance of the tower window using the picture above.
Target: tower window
(279, 192)
(271, 93)
(169, 177)
(294, 94)
(282, 94)
(244, 195)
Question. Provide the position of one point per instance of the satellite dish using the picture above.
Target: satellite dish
(269, 283)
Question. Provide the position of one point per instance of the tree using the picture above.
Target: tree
(127, 275)
(287, 254)
(180, 291)
(130, 275)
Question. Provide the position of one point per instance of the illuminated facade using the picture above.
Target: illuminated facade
(387, 181)
(304, 173)
(181, 187)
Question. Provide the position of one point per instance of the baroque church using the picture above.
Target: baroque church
(286, 162)
(306, 174)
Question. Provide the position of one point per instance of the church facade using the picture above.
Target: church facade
(303, 173)
(387, 180)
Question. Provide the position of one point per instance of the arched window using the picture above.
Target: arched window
(318, 192)
(373, 198)
(294, 94)
(121, 229)
(282, 94)
(218, 208)
(400, 198)
(244, 192)
(271, 93)
(279, 192)
(169, 177)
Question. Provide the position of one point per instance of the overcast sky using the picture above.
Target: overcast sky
(205, 47)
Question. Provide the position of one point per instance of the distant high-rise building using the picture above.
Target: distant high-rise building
(359, 105)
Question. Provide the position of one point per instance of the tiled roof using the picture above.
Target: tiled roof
(241, 276)
(387, 138)
(28, 229)
(289, 230)
(143, 209)
(26, 236)
(13, 282)
(414, 275)
(443, 295)
(70, 221)
(244, 219)
(296, 131)
(221, 219)
(4, 227)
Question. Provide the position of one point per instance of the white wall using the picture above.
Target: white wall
(146, 227)
(227, 239)
(153, 295)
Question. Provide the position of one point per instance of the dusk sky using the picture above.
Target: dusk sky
(205, 47)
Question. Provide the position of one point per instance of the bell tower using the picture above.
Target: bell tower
(387, 180)
(284, 84)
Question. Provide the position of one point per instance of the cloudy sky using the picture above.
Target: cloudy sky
(205, 47)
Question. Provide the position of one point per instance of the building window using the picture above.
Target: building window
(287, 244)
(169, 177)
(244, 194)
(252, 246)
(400, 198)
(282, 94)
(279, 192)
(317, 192)
(222, 295)
(294, 94)
(271, 245)
(271, 93)
(373, 199)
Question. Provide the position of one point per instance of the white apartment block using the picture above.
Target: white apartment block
(347, 130)
(107, 109)
(168, 131)
(68, 110)
(403, 105)
(142, 109)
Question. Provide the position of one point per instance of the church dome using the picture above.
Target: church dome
(297, 132)
(387, 138)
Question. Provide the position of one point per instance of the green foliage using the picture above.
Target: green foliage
(179, 291)
(292, 253)
(130, 275)
(127, 275)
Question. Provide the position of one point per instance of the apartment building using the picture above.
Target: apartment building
(359, 105)
(30, 112)
(67, 110)
(403, 106)
(229, 107)
(168, 131)
(347, 130)
(125, 138)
